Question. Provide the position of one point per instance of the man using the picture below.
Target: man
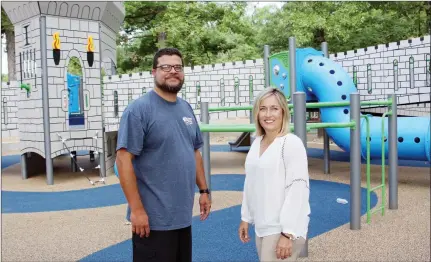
(159, 163)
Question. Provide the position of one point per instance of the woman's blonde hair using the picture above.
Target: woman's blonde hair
(282, 101)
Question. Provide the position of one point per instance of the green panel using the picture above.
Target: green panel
(283, 57)
(279, 70)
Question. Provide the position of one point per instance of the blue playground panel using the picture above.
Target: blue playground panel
(73, 84)
(76, 115)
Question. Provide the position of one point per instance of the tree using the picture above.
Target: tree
(344, 25)
(212, 32)
(7, 30)
(205, 33)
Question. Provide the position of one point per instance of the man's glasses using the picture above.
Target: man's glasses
(168, 68)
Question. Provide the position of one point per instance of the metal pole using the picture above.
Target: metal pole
(45, 102)
(205, 117)
(300, 129)
(102, 161)
(73, 162)
(355, 162)
(326, 152)
(393, 154)
(292, 65)
(251, 113)
(24, 173)
(267, 73)
(300, 116)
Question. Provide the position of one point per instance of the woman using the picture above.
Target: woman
(276, 187)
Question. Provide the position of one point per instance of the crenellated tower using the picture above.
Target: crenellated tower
(61, 48)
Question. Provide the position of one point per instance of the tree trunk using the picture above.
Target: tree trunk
(10, 46)
(162, 40)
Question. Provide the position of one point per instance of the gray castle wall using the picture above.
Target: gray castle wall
(209, 77)
(375, 69)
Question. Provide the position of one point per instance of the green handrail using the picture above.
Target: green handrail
(252, 127)
(25, 86)
(350, 124)
(368, 172)
(308, 105)
(230, 108)
(347, 103)
(383, 184)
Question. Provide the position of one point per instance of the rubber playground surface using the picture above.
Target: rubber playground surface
(75, 221)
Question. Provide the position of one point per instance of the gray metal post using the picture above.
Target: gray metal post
(300, 129)
(205, 117)
(326, 152)
(299, 120)
(393, 154)
(73, 160)
(102, 161)
(24, 166)
(45, 102)
(267, 72)
(324, 47)
(355, 162)
(292, 65)
(251, 113)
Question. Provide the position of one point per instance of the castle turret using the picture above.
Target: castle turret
(60, 49)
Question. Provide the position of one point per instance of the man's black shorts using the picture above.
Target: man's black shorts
(164, 246)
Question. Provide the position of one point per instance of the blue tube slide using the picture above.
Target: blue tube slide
(327, 81)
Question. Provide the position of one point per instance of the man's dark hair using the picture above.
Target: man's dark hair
(166, 51)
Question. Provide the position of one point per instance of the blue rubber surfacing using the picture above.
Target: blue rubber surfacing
(215, 239)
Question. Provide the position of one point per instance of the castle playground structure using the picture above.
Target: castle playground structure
(55, 112)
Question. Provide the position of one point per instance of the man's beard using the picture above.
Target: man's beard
(174, 89)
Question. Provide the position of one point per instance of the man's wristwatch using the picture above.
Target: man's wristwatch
(287, 236)
(204, 191)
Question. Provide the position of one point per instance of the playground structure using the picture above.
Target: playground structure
(349, 117)
(54, 114)
(311, 75)
(60, 113)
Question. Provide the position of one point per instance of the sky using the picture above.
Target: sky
(251, 5)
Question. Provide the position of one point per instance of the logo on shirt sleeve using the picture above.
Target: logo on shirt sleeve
(188, 121)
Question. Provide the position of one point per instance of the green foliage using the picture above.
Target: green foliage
(344, 25)
(4, 78)
(74, 66)
(6, 24)
(140, 16)
(215, 32)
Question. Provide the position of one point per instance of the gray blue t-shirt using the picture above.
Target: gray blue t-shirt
(163, 136)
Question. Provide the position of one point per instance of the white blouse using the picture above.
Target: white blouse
(276, 192)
